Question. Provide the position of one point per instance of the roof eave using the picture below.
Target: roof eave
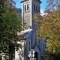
(40, 2)
(23, 1)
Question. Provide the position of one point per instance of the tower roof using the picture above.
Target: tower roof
(23, 1)
(38, 0)
(27, 0)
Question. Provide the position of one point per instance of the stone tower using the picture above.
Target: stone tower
(29, 8)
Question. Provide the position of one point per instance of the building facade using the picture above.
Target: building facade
(33, 48)
(30, 7)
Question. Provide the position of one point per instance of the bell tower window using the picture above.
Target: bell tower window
(34, 7)
(27, 6)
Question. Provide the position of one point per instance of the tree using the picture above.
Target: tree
(10, 24)
(37, 19)
(50, 30)
(52, 4)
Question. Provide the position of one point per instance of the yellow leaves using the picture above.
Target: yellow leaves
(50, 27)
(53, 46)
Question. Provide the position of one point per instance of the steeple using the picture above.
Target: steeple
(29, 8)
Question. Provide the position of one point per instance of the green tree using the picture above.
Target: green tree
(10, 24)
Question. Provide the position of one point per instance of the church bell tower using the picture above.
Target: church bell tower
(29, 8)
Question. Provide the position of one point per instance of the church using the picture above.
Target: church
(32, 48)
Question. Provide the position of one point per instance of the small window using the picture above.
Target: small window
(34, 7)
(27, 6)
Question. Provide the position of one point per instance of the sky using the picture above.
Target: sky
(43, 4)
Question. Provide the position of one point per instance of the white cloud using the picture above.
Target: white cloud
(43, 13)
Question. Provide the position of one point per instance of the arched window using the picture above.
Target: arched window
(34, 7)
(27, 6)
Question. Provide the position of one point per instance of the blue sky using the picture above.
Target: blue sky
(43, 4)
